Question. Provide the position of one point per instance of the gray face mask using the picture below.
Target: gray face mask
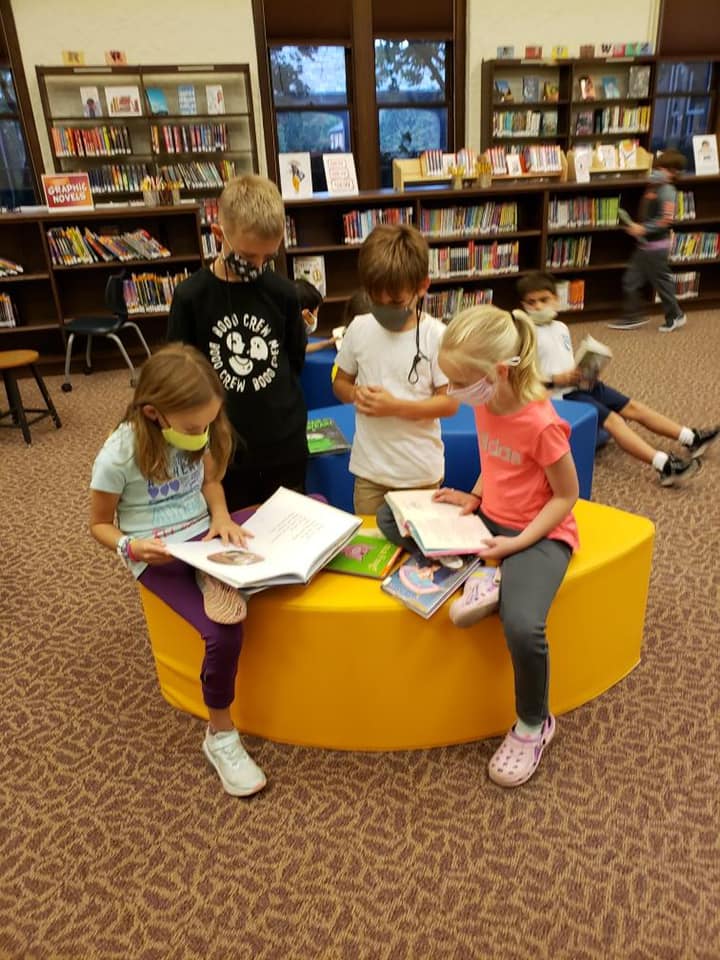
(389, 317)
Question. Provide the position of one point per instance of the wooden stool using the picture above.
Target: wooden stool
(10, 361)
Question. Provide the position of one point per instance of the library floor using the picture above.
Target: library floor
(117, 840)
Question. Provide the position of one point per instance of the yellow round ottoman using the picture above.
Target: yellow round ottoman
(340, 664)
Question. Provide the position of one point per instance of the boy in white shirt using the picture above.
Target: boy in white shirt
(556, 362)
(387, 367)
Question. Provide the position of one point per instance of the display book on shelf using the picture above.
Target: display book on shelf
(319, 223)
(192, 125)
(48, 291)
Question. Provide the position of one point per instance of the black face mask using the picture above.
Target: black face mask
(243, 269)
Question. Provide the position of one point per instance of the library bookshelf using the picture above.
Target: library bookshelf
(536, 225)
(47, 294)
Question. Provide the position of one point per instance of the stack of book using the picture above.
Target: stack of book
(68, 246)
(118, 178)
(151, 292)
(189, 137)
(358, 224)
(7, 311)
(571, 294)
(8, 268)
(569, 251)
(695, 246)
(199, 174)
(583, 212)
(446, 303)
(474, 258)
(101, 141)
(486, 218)
(684, 205)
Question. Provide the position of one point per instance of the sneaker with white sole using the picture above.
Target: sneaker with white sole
(676, 472)
(628, 323)
(238, 772)
(480, 597)
(671, 325)
(702, 440)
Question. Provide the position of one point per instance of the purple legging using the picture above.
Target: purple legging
(174, 583)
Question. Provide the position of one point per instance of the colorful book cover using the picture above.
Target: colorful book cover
(423, 584)
(325, 436)
(533, 53)
(90, 99)
(157, 101)
(551, 91)
(187, 104)
(123, 101)
(295, 175)
(503, 93)
(611, 90)
(531, 89)
(367, 555)
(311, 269)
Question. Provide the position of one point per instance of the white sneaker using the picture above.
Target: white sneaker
(671, 325)
(238, 772)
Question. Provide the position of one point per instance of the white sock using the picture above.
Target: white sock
(659, 460)
(686, 436)
(523, 729)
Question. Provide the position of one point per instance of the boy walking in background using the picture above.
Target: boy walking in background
(556, 363)
(649, 263)
(246, 319)
(387, 367)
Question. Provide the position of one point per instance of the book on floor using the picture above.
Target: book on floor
(438, 528)
(325, 436)
(424, 584)
(294, 536)
(592, 357)
(368, 554)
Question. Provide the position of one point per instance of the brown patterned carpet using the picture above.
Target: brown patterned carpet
(116, 840)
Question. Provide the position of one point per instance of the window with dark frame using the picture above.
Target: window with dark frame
(311, 102)
(16, 180)
(413, 99)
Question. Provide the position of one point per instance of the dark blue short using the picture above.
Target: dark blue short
(604, 398)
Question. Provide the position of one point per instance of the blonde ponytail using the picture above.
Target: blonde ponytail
(479, 338)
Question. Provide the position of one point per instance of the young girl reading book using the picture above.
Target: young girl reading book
(525, 495)
(157, 479)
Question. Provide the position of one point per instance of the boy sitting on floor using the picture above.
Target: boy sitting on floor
(557, 366)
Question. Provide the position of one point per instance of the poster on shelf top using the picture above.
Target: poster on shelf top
(67, 191)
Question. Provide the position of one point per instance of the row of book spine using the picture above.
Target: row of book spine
(8, 311)
(569, 251)
(151, 292)
(69, 246)
(583, 212)
(571, 294)
(695, 246)
(687, 285)
(118, 177)
(684, 205)
(209, 211)
(538, 158)
(9, 268)
(446, 303)
(531, 123)
(189, 138)
(104, 141)
(290, 231)
(474, 258)
(483, 218)
(199, 174)
(210, 246)
(358, 224)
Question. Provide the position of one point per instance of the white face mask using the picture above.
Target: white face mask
(542, 316)
(475, 394)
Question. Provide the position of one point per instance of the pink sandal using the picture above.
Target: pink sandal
(517, 757)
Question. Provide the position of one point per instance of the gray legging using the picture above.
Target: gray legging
(530, 580)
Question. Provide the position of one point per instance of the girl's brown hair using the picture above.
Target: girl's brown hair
(176, 378)
(481, 337)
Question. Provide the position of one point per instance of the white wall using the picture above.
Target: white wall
(518, 23)
(149, 31)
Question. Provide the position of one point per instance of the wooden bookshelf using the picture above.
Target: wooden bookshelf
(319, 229)
(46, 294)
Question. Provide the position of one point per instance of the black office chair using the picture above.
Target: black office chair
(103, 326)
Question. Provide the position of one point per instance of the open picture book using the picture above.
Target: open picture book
(592, 357)
(294, 536)
(437, 528)
(424, 584)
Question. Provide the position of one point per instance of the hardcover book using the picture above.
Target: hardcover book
(592, 357)
(550, 91)
(423, 584)
(438, 528)
(705, 151)
(340, 173)
(311, 269)
(587, 88)
(366, 555)
(187, 103)
(325, 436)
(215, 98)
(90, 99)
(157, 101)
(295, 175)
(533, 53)
(611, 90)
(639, 81)
(123, 101)
(531, 89)
(294, 536)
(503, 93)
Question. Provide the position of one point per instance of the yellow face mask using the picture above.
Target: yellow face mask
(190, 442)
